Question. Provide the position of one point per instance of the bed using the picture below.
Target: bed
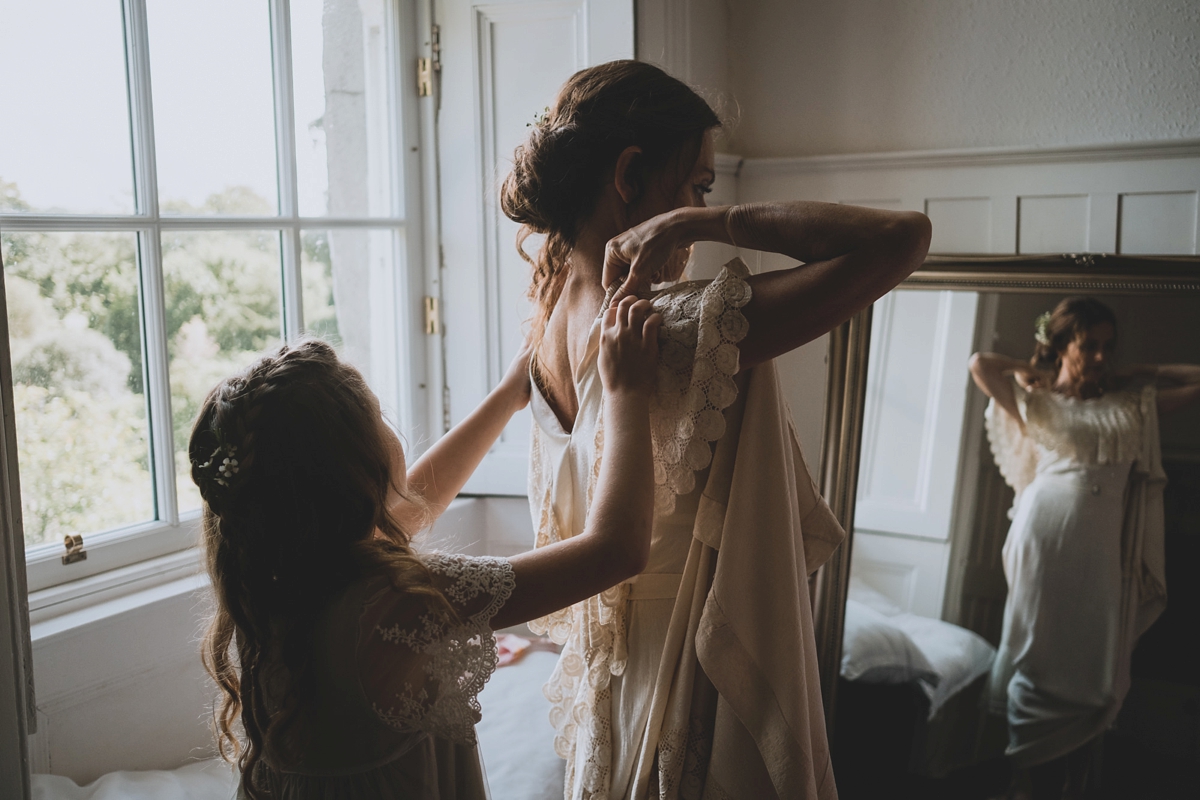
(908, 703)
(515, 741)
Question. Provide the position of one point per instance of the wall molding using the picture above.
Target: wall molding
(729, 164)
(973, 157)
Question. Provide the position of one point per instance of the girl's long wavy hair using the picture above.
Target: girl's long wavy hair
(559, 171)
(1072, 318)
(296, 473)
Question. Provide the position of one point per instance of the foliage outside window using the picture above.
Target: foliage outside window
(139, 270)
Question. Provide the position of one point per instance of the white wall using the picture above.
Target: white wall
(690, 40)
(856, 76)
(120, 685)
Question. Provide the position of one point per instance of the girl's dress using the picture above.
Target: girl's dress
(1083, 559)
(697, 678)
(394, 693)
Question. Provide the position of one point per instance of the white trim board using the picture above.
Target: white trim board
(1130, 198)
(973, 157)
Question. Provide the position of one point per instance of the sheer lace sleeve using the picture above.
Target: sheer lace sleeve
(698, 358)
(422, 670)
(1015, 453)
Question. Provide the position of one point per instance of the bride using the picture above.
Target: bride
(698, 677)
(1079, 444)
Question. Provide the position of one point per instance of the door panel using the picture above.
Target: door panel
(502, 63)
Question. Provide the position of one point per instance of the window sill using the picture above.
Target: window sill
(70, 605)
(111, 552)
(466, 526)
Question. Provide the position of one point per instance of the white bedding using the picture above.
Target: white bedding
(515, 739)
(883, 644)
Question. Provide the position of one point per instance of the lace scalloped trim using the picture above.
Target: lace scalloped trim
(1106, 430)
(698, 358)
(461, 657)
(1015, 453)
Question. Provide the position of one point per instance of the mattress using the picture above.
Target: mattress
(515, 740)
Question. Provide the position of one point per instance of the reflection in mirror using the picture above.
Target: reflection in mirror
(1020, 515)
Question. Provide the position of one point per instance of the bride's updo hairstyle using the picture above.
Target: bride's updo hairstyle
(1071, 319)
(559, 171)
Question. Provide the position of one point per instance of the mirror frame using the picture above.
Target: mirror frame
(846, 385)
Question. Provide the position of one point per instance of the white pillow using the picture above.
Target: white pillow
(869, 596)
(957, 655)
(874, 650)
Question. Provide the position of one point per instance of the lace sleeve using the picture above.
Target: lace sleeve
(698, 357)
(1015, 453)
(419, 668)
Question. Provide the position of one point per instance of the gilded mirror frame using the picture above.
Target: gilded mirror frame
(846, 386)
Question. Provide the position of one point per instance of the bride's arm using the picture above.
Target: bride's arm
(852, 256)
(991, 373)
(1184, 393)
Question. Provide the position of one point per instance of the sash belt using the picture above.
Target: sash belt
(655, 586)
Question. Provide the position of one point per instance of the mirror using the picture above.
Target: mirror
(970, 624)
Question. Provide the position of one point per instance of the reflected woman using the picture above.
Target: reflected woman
(1079, 443)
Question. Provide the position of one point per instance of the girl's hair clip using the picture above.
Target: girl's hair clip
(539, 119)
(222, 465)
(1041, 329)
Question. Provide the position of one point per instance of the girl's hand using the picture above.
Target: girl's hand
(655, 251)
(629, 347)
(515, 383)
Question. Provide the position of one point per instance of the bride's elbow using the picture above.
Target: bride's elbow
(911, 230)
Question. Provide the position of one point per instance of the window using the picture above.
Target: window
(186, 185)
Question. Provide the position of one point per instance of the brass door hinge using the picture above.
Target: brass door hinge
(424, 77)
(75, 551)
(433, 317)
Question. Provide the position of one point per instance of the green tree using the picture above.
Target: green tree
(75, 313)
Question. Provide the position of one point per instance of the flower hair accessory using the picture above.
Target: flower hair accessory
(223, 462)
(539, 119)
(1041, 329)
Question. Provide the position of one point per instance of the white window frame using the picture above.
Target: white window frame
(410, 122)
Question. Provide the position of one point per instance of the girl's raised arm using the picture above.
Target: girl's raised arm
(852, 256)
(615, 542)
(441, 472)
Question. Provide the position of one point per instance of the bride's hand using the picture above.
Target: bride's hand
(651, 252)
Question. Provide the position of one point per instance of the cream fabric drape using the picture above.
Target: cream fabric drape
(699, 677)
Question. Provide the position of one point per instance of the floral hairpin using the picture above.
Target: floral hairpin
(1041, 329)
(539, 119)
(225, 459)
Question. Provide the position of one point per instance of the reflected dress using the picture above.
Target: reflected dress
(1083, 559)
(395, 685)
(697, 678)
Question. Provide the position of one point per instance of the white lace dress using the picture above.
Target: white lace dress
(395, 686)
(635, 711)
(1083, 559)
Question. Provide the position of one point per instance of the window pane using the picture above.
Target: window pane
(349, 289)
(68, 149)
(214, 117)
(340, 69)
(222, 292)
(74, 331)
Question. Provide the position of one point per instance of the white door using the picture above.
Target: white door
(502, 63)
(912, 431)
